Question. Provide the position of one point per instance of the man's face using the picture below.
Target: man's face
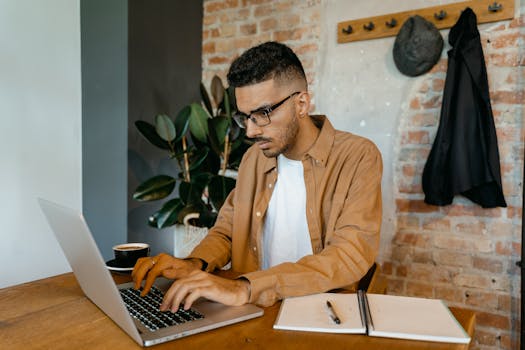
(280, 136)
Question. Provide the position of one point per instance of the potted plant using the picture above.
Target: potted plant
(206, 143)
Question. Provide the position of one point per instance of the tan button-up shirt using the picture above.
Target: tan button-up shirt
(342, 175)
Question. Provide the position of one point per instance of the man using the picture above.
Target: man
(305, 214)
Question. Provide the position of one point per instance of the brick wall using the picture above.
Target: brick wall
(461, 253)
(232, 26)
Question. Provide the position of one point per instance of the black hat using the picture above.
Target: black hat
(417, 47)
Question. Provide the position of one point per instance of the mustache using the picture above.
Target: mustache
(263, 139)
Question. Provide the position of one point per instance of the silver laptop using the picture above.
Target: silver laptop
(96, 282)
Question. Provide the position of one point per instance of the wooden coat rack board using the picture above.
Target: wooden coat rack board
(443, 16)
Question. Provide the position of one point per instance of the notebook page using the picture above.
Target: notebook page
(308, 313)
(414, 318)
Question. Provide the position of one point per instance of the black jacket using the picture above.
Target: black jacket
(464, 158)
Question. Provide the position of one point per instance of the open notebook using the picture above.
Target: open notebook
(373, 314)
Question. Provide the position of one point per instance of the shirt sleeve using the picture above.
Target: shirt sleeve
(349, 249)
(215, 248)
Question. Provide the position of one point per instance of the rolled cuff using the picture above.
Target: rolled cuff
(263, 288)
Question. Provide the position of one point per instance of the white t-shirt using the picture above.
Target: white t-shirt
(285, 232)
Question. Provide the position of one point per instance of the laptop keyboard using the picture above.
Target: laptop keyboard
(146, 310)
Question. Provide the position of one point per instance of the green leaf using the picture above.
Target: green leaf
(227, 106)
(157, 187)
(235, 131)
(179, 152)
(182, 122)
(206, 99)
(199, 122)
(198, 157)
(217, 90)
(191, 192)
(168, 214)
(238, 141)
(207, 217)
(188, 193)
(219, 188)
(231, 97)
(148, 131)
(165, 127)
(211, 164)
(221, 126)
(201, 179)
(237, 154)
(152, 220)
(214, 142)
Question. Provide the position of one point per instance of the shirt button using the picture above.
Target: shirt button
(254, 249)
(270, 185)
(258, 214)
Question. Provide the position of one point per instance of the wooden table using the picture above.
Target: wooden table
(53, 313)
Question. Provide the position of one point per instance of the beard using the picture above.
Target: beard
(287, 139)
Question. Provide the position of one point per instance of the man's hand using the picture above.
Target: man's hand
(162, 265)
(202, 284)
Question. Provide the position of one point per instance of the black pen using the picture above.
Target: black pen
(331, 313)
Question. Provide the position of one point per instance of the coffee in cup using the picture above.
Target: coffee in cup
(127, 254)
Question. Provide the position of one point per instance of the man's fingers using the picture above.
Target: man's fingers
(171, 299)
(149, 268)
(180, 289)
(155, 270)
(202, 284)
(190, 285)
(140, 270)
(193, 295)
(139, 263)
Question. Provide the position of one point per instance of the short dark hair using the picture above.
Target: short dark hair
(270, 60)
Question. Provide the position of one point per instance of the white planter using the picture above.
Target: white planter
(186, 237)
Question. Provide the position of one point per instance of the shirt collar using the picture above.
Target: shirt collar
(319, 150)
(269, 164)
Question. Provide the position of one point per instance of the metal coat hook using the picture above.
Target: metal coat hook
(443, 16)
(495, 7)
(348, 30)
(392, 23)
(440, 15)
(370, 26)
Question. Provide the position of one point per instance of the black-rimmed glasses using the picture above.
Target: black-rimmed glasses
(260, 116)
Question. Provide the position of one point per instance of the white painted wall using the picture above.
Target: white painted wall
(40, 131)
(360, 88)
